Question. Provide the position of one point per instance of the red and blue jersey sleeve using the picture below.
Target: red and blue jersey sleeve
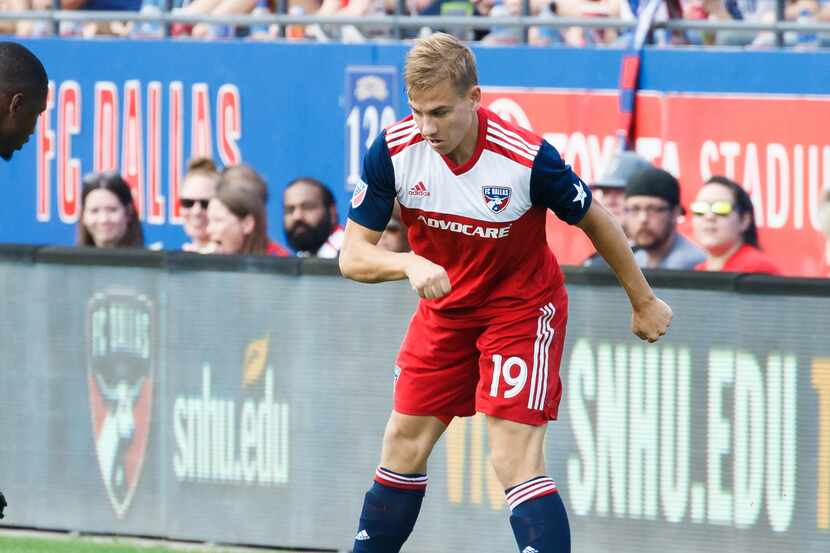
(374, 195)
(553, 184)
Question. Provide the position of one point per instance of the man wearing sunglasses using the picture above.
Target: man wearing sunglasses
(651, 210)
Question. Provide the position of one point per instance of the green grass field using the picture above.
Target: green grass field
(80, 545)
(97, 545)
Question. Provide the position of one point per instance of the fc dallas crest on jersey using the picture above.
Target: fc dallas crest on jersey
(496, 197)
(121, 358)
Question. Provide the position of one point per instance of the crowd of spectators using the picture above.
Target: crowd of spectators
(805, 11)
(646, 202)
(226, 212)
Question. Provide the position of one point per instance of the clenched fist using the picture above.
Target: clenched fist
(651, 320)
(428, 279)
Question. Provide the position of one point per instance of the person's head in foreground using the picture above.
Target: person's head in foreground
(24, 87)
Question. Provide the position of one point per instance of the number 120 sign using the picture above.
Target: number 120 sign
(371, 104)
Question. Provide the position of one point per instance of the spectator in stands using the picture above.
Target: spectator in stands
(824, 215)
(237, 221)
(536, 36)
(198, 187)
(72, 28)
(464, 8)
(245, 176)
(652, 209)
(346, 8)
(310, 219)
(224, 8)
(108, 215)
(723, 219)
(754, 11)
(609, 190)
(394, 237)
(582, 36)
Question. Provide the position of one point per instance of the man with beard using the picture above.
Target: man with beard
(24, 87)
(310, 219)
(23, 90)
(652, 208)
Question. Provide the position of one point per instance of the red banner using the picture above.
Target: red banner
(771, 144)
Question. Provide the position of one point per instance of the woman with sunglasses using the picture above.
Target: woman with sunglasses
(723, 219)
(108, 215)
(198, 187)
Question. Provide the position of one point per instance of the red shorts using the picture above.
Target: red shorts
(509, 370)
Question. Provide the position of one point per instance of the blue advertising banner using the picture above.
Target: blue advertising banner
(146, 107)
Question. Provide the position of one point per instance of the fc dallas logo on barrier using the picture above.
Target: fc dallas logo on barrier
(121, 358)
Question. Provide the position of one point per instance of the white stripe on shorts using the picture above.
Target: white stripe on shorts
(541, 349)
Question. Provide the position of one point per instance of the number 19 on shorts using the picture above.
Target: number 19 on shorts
(513, 371)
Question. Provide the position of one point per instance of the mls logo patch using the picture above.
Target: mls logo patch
(496, 197)
(359, 193)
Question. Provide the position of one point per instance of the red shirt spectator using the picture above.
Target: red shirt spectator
(723, 219)
(747, 260)
(276, 250)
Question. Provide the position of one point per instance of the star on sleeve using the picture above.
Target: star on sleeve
(580, 194)
(554, 185)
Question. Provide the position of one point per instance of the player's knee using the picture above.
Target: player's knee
(405, 449)
(515, 465)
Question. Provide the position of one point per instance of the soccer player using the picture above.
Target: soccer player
(489, 330)
(23, 91)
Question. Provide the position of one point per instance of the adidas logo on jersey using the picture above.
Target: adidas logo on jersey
(529, 549)
(419, 190)
(363, 535)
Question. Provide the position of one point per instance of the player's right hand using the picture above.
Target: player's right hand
(428, 279)
(651, 320)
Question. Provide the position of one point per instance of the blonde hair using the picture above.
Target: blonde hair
(440, 58)
(202, 166)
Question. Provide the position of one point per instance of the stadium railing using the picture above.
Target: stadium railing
(399, 21)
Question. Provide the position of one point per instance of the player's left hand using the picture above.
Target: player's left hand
(651, 320)
(2, 504)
